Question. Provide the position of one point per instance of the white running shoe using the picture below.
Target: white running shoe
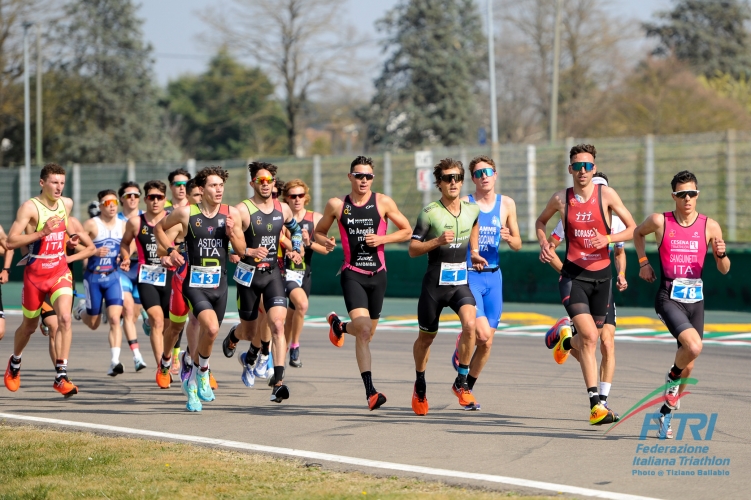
(78, 310)
(139, 363)
(247, 376)
(115, 369)
(664, 433)
(261, 370)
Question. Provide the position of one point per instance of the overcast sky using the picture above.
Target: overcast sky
(173, 28)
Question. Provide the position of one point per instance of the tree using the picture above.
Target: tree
(427, 89)
(707, 34)
(227, 112)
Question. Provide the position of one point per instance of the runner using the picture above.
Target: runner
(7, 257)
(684, 236)
(102, 281)
(497, 223)
(44, 220)
(363, 217)
(178, 186)
(607, 333)
(130, 196)
(209, 226)
(585, 282)
(446, 230)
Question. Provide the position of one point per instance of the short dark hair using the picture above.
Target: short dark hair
(175, 173)
(361, 160)
(582, 148)
(190, 185)
(445, 164)
(683, 177)
(155, 185)
(257, 166)
(480, 159)
(600, 174)
(105, 192)
(125, 185)
(207, 171)
(51, 169)
(279, 185)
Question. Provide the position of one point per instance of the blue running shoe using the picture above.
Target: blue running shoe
(262, 369)
(248, 378)
(455, 357)
(191, 389)
(554, 334)
(204, 386)
(184, 367)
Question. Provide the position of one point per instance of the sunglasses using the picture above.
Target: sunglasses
(488, 172)
(296, 196)
(447, 178)
(362, 175)
(132, 196)
(108, 203)
(582, 165)
(691, 193)
(264, 180)
(179, 183)
(155, 197)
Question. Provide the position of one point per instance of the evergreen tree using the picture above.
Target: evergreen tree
(426, 90)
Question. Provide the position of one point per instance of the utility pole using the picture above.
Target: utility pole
(26, 174)
(39, 96)
(556, 70)
(491, 71)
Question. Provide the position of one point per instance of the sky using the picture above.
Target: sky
(174, 27)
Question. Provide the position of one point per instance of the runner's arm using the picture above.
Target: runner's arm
(650, 225)
(617, 206)
(555, 205)
(718, 246)
(179, 216)
(16, 236)
(173, 233)
(418, 246)
(314, 245)
(392, 213)
(236, 237)
(293, 227)
(7, 260)
(510, 233)
(478, 261)
(328, 217)
(128, 239)
(555, 261)
(620, 267)
(85, 247)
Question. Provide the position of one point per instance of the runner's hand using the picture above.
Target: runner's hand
(478, 262)
(373, 240)
(257, 253)
(505, 233)
(547, 252)
(50, 225)
(3, 277)
(719, 246)
(234, 258)
(647, 273)
(229, 223)
(600, 240)
(446, 238)
(621, 283)
(296, 257)
(73, 241)
(330, 244)
(102, 252)
(305, 237)
(176, 258)
(125, 265)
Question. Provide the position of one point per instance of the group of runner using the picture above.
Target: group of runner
(179, 272)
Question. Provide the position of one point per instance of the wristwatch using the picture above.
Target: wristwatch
(170, 250)
(722, 255)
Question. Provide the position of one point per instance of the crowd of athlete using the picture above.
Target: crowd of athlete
(171, 259)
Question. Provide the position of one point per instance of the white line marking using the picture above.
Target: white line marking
(376, 464)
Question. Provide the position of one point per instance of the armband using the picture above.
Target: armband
(296, 234)
(643, 259)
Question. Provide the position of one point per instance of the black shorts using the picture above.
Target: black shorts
(434, 298)
(364, 291)
(270, 284)
(586, 297)
(2, 311)
(202, 299)
(292, 285)
(610, 318)
(677, 316)
(156, 295)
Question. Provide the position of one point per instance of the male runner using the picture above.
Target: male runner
(447, 231)
(7, 257)
(102, 281)
(497, 222)
(44, 221)
(607, 333)
(585, 282)
(684, 236)
(209, 226)
(130, 196)
(178, 182)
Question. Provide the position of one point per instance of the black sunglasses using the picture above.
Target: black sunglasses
(447, 178)
(362, 175)
(691, 193)
(295, 196)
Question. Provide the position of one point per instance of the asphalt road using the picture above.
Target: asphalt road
(533, 423)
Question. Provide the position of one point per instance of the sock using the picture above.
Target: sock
(665, 410)
(61, 368)
(187, 359)
(175, 352)
(115, 354)
(344, 326)
(367, 380)
(166, 361)
(133, 344)
(567, 344)
(203, 363)
(278, 373)
(471, 381)
(294, 346)
(461, 379)
(179, 338)
(675, 373)
(604, 390)
(594, 397)
(233, 338)
(15, 363)
(420, 385)
(265, 347)
(252, 354)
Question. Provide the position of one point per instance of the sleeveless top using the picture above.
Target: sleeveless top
(307, 224)
(109, 238)
(355, 222)
(490, 234)
(146, 243)
(683, 249)
(584, 261)
(48, 254)
(434, 220)
(264, 230)
(207, 240)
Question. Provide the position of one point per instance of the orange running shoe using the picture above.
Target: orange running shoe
(419, 405)
(336, 325)
(12, 381)
(560, 355)
(212, 381)
(376, 401)
(465, 395)
(163, 377)
(65, 387)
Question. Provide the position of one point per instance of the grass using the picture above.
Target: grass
(39, 463)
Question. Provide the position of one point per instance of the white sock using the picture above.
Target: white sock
(604, 388)
(136, 353)
(115, 354)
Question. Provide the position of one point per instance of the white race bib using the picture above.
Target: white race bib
(453, 273)
(295, 276)
(687, 290)
(153, 275)
(244, 273)
(205, 277)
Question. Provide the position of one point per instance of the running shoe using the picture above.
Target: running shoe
(248, 378)
(336, 336)
(228, 347)
(472, 407)
(64, 386)
(204, 387)
(554, 334)
(601, 414)
(666, 426)
(115, 369)
(190, 388)
(279, 393)
(175, 368)
(455, 356)
(146, 327)
(671, 393)
(419, 404)
(184, 367)
(12, 378)
(560, 355)
(44, 329)
(376, 401)
(163, 377)
(140, 364)
(294, 357)
(78, 310)
(212, 381)
(464, 394)
(261, 369)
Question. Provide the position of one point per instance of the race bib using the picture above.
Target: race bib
(153, 275)
(687, 291)
(295, 276)
(205, 277)
(453, 273)
(244, 273)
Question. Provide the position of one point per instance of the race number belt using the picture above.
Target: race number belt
(295, 276)
(687, 291)
(153, 275)
(244, 273)
(205, 277)
(453, 273)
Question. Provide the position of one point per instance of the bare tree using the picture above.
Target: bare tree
(303, 44)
